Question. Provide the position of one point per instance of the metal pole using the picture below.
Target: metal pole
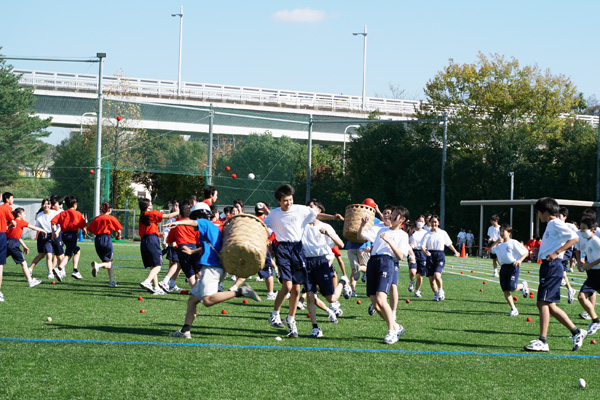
(211, 120)
(480, 231)
(364, 34)
(308, 166)
(101, 57)
(443, 183)
(180, 15)
(344, 150)
(512, 191)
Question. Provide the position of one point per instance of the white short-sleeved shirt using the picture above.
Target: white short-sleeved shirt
(436, 240)
(289, 225)
(416, 239)
(316, 244)
(494, 232)
(470, 237)
(398, 237)
(557, 234)
(509, 252)
(462, 236)
(591, 248)
(44, 220)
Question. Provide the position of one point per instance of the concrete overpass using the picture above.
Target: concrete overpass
(237, 110)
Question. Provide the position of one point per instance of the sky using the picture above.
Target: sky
(304, 45)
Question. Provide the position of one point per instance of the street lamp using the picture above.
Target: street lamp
(180, 15)
(364, 34)
(344, 151)
(512, 190)
(83, 115)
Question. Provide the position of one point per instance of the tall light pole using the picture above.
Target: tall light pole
(512, 191)
(344, 151)
(364, 63)
(180, 15)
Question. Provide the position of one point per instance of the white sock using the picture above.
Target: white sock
(291, 318)
(275, 313)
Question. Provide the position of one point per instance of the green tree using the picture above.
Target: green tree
(20, 130)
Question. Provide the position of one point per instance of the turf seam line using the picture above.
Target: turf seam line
(239, 346)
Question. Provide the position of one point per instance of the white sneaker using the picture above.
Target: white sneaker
(371, 310)
(95, 269)
(335, 307)
(147, 285)
(179, 334)
(316, 333)
(300, 305)
(436, 296)
(76, 275)
(496, 273)
(271, 296)
(291, 325)
(164, 285)
(50, 275)
(391, 337)
(259, 279)
(1, 297)
(275, 321)
(112, 284)
(347, 288)
(593, 328)
(411, 286)
(332, 317)
(537, 345)
(585, 315)
(233, 278)
(159, 292)
(571, 296)
(33, 282)
(174, 288)
(57, 274)
(525, 289)
(441, 295)
(399, 331)
(418, 293)
(578, 339)
(513, 312)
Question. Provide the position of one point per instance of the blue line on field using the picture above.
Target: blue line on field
(239, 346)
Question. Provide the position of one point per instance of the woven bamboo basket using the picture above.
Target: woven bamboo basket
(352, 220)
(244, 247)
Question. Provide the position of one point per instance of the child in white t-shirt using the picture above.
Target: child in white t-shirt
(510, 254)
(589, 244)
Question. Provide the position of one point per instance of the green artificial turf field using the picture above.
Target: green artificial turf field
(99, 345)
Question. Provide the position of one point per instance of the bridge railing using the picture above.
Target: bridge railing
(221, 93)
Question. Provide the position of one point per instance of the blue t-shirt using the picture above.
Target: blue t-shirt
(210, 233)
(351, 245)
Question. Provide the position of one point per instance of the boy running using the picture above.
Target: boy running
(589, 244)
(70, 221)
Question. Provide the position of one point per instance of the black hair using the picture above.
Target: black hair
(401, 211)
(590, 222)
(317, 204)
(144, 204)
(227, 210)
(70, 201)
(547, 204)
(192, 199)
(214, 209)
(104, 207)
(17, 211)
(434, 216)
(6, 196)
(507, 228)
(420, 216)
(563, 211)
(589, 212)
(209, 191)
(173, 204)
(387, 207)
(238, 201)
(56, 199)
(409, 228)
(42, 205)
(495, 217)
(284, 191)
(184, 209)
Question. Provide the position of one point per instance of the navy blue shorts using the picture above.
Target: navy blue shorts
(171, 254)
(421, 262)
(493, 256)
(151, 253)
(291, 262)
(58, 247)
(70, 240)
(319, 274)
(3, 248)
(188, 262)
(44, 244)
(592, 283)
(267, 270)
(509, 277)
(380, 271)
(435, 262)
(551, 275)
(396, 272)
(566, 258)
(104, 247)
(14, 250)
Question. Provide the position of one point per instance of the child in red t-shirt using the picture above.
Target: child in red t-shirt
(5, 218)
(185, 236)
(14, 243)
(70, 221)
(102, 226)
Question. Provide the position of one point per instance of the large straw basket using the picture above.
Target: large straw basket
(352, 220)
(244, 247)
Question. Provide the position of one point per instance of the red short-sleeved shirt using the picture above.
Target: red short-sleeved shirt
(152, 229)
(5, 216)
(104, 225)
(17, 232)
(70, 220)
(182, 234)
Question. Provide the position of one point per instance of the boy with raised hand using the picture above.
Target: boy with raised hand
(494, 235)
(589, 244)
(70, 221)
(557, 238)
(288, 222)
(510, 255)
(207, 287)
(387, 243)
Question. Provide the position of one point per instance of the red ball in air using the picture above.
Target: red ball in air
(119, 118)
(233, 176)
(227, 168)
(369, 202)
